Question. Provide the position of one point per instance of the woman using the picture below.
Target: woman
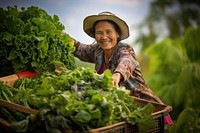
(109, 53)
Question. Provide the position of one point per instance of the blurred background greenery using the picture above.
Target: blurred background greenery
(170, 59)
(169, 41)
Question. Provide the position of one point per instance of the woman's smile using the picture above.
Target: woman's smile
(105, 43)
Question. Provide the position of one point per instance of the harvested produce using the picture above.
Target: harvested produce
(74, 101)
(32, 40)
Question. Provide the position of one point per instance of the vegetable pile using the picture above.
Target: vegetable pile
(32, 40)
(73, 101)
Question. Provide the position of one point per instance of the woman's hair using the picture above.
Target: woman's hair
(111, 22)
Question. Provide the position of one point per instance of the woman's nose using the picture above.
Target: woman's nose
(104, 36)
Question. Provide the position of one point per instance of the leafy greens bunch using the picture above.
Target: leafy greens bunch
(76, 100)
(31, 40)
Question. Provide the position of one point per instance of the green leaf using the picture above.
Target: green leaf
(188, 121)
(95, 114)
(82, 117)
(97, 99)
(20, 126)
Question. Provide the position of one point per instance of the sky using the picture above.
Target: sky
(73, 12)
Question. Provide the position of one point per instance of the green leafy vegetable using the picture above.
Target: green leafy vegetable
(32, 40)
(80, 98)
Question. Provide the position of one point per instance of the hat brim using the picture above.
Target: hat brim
(90, 20)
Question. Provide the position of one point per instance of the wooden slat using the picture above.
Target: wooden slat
(17, 107)
(4, 123)
(159, 108)
(101, 129)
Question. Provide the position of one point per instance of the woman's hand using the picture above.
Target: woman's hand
(115, 79)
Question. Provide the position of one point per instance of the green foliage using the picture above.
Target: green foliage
(167, 18)
(187, 122)
(31, 40)
(80, 63)
(76, 100)
(166, 57)
(174, 73)
(191, 44)
(174, 65)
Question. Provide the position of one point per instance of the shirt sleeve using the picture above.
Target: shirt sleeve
(127, 62)
(85, 52)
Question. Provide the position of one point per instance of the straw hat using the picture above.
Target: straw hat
(89, 21)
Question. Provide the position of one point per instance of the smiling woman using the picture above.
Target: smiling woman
(110, 53)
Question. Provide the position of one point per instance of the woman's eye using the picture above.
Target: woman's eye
(98, 33)
(109, 32)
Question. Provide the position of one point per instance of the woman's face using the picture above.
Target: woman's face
(106, 35)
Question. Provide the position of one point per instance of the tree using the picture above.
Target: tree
(174, 75)
(168, 18)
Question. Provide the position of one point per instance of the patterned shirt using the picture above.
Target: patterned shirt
(123, 61)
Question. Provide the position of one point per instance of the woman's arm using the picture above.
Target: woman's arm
(84, 52)
(127, 62)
